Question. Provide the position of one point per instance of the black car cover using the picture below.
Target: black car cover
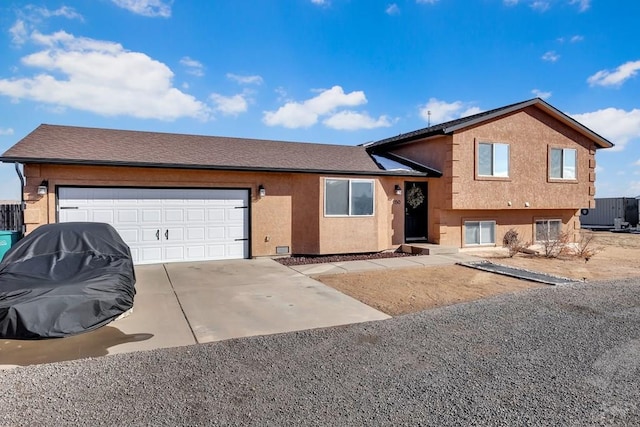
(63, 279)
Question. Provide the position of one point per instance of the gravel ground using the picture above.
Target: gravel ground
(566, 355)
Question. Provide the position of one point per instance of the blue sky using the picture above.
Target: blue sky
(330, 71)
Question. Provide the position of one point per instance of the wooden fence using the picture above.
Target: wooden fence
(11, 217)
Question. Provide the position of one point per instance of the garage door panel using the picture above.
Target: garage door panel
(151, 215)
(235, 232)
(174, 215)
(103, 216)
(74, 215)
(235, 250)
(166, 224)
(215, 215)
(174, 253)
(127, 216)
(196, 233)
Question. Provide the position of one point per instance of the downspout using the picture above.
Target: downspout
(22, 205)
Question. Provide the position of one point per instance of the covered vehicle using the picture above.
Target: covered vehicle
(63, 279)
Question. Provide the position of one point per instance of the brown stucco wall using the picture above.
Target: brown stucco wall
(292, 213)
(515, 201)
(522, 220)
(530, 133)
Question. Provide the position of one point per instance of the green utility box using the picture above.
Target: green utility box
(7, 239)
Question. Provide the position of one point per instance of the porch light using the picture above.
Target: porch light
(43, 187)
(261, 191)
(397, 190)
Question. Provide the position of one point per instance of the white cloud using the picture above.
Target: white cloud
(230, 105)
(599, 169)
(540, 6)
(18, 31)
(550, 56)
(392, 9)
(64, 11)
(30, 16)
(577, 38)
(320, 2)
(583, 5)
(304, 114)
(193, 67)
(510, 2)
(6, 131)
(352, 120)
(101, 77)
(151, 8)
(626, 128)
(436, 111)
(427, 1)
(616, 77)
(245, 80)
(540, 94)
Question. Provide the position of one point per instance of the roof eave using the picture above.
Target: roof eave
(28, 160)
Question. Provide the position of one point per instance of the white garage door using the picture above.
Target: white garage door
(166, 225)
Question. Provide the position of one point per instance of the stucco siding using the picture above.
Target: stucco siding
(523, 221)
(291, 214)
(530, 134)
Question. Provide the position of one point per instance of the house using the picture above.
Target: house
(186, 197)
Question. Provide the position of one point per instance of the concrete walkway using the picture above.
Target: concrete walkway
(384, 263)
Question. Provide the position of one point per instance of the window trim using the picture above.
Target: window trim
(349, 214)
(562, 164)
(480, 177)
(548, 221)
(479, 221)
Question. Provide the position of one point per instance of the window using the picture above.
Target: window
(479, 232)
(562, 163)
(548, 229)
(493, 159)
(348, 197)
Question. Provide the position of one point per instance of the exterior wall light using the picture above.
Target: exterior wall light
(397, 190)
(43, 187)
(261, 191)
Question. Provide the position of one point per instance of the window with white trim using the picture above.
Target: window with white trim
(548, 230)
(348, 197)
(493, 159)
(562, 163)
(479, 232)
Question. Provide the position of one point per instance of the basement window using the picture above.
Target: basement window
(548, 230)
(479, 233)
(348, 197)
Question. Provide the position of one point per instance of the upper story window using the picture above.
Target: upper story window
(562, 163)
(493, 159)
(348, 197)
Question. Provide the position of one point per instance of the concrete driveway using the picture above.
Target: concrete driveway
(187, 303)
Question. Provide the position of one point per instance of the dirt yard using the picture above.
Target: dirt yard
(402, 291)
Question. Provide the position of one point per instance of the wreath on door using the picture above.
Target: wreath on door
(415, 197)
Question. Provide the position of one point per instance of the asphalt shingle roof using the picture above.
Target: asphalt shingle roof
(79, 145)
(453, 125)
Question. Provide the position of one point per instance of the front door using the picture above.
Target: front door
(415, 211)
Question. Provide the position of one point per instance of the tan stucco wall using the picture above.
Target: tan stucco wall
(522, 220)
(530, 133)
(292, 213)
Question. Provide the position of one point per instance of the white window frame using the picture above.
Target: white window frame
(493, 159)
(351, 182)
(480, 222)
(563, 164)
(548, 222)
